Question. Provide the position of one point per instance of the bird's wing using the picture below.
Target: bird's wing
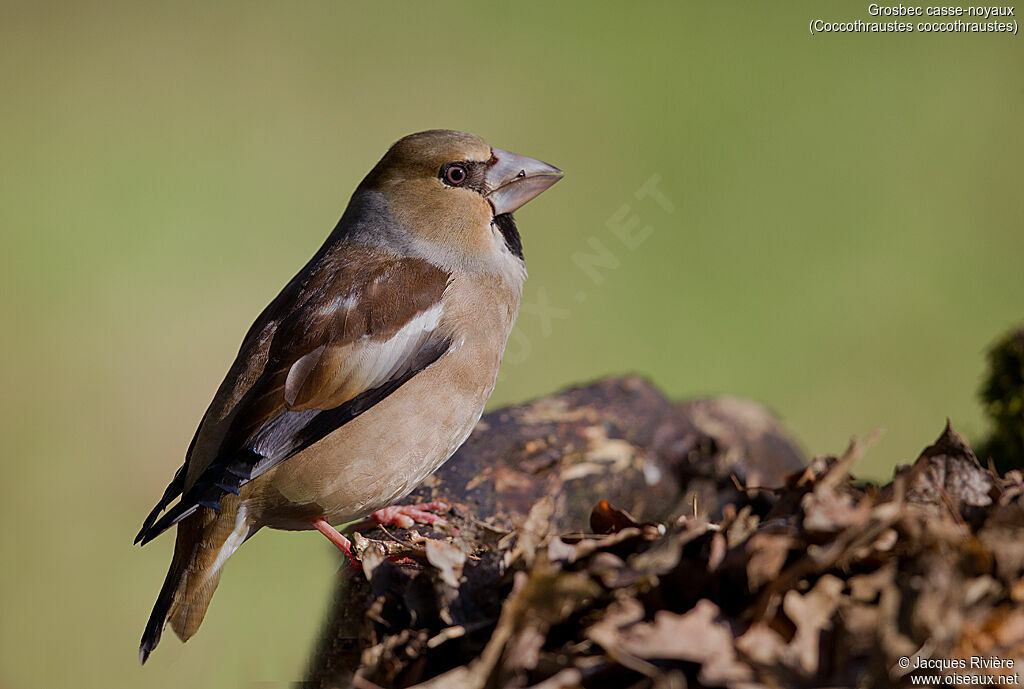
(316, 358)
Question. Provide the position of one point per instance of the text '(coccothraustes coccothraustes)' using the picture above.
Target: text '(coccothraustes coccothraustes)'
(365, 373)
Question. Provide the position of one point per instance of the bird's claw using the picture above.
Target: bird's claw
(404, 516)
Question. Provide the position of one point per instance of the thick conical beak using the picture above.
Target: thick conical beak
(513, 180)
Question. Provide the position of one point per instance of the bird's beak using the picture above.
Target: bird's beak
(513, 180)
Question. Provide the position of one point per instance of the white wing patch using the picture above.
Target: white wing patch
(340, 373)
(380, 361)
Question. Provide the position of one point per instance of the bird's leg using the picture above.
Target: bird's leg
(404, 516)
(335, 537)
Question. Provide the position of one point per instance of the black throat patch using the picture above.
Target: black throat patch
(507, 227)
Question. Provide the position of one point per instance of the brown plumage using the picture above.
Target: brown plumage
(367, 371)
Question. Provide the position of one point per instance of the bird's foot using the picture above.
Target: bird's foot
(404, 516)
(335, 537)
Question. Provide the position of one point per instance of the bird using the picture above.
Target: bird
(365, 374)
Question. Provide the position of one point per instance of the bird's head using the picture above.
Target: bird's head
(453, 193)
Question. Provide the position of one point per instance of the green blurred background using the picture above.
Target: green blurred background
(844, 241)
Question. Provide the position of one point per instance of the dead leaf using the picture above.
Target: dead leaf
(811, 613)
(605, 519)
(448, 560)
(698, 636)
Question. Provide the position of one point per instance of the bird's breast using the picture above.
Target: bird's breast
(380, 456)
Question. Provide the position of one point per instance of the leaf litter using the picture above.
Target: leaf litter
(821, 582)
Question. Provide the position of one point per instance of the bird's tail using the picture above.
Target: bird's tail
(204, 542)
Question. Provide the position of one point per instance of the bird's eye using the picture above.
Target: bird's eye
(454, 174)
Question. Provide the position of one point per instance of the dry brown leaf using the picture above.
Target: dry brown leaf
(698, 636)
(448, 560)
(948, 469)
(767, 553)
(811, 613)
(762, 644)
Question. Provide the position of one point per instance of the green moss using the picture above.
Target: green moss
(1003, 396)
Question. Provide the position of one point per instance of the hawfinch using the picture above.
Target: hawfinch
(365, 374)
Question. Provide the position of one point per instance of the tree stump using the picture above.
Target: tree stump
(429, 599)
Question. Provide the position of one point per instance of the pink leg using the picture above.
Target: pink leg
(404, 516)
(335, 537)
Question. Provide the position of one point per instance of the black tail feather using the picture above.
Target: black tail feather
(172, 517)
(173, 490)
(158, 618)
(216, 481)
